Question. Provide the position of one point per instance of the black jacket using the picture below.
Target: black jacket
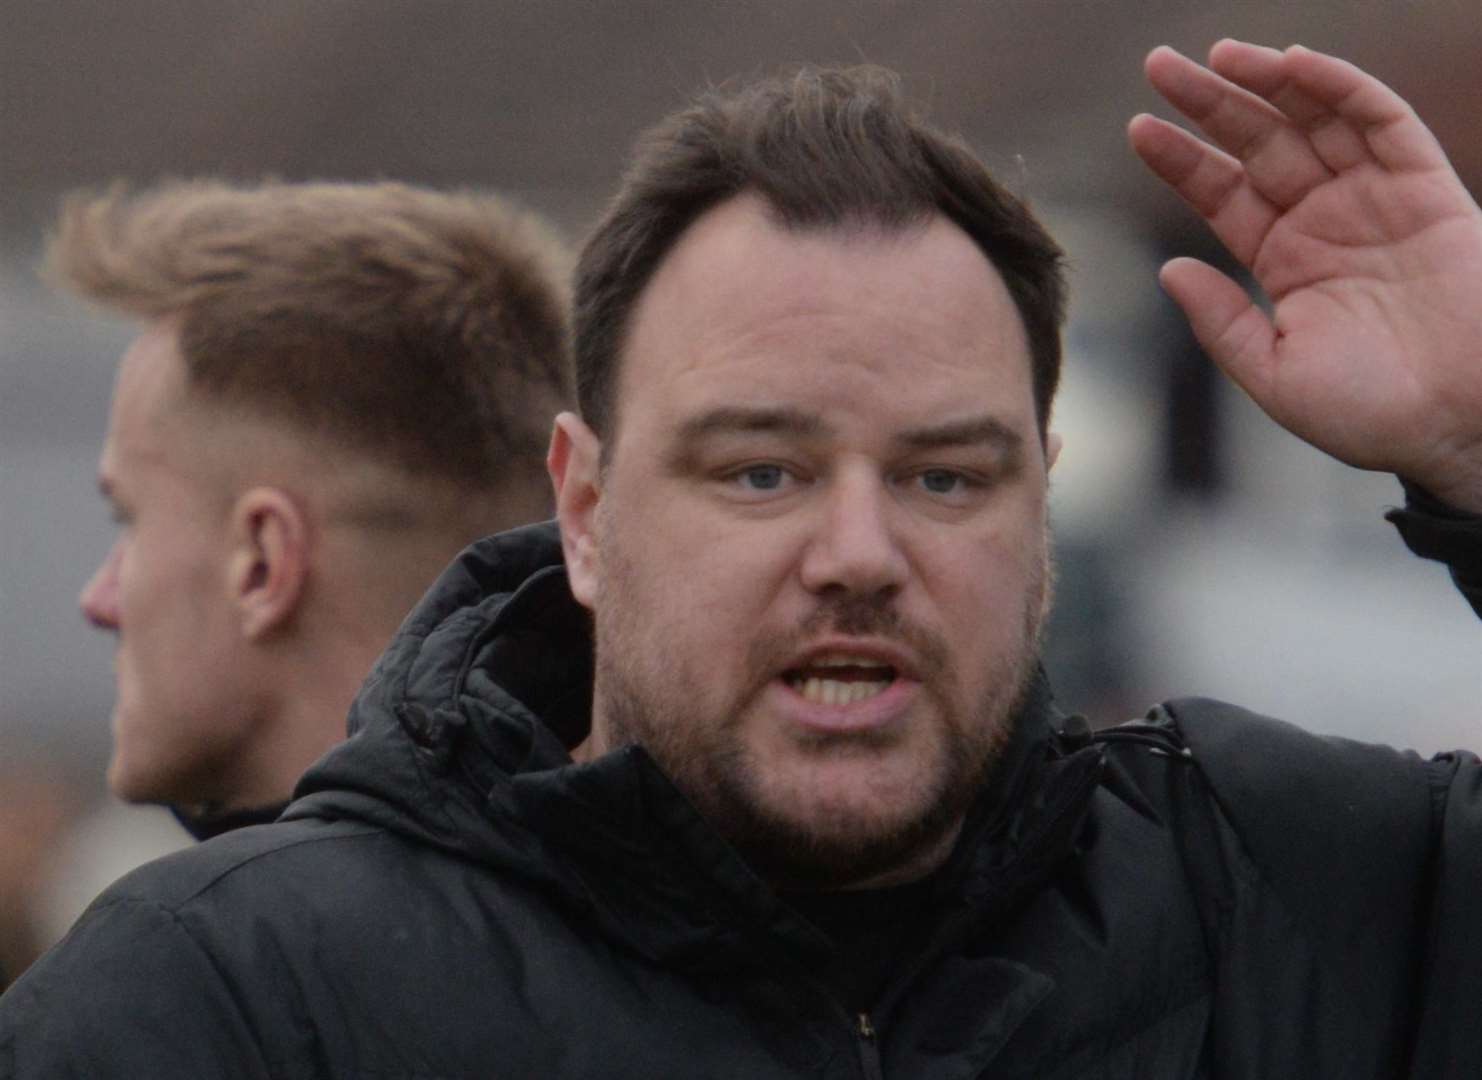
(1204, 894)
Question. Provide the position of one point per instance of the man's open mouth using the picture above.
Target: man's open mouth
(839, 679)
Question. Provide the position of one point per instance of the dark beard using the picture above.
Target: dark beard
(798, 856)
(719, 779)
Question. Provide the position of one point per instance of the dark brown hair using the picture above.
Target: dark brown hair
(427, 330)
(824, 147)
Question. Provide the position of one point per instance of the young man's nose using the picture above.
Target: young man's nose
(855, 546)
(99, 599)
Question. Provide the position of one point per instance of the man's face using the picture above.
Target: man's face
(163, 588)
(818, 555)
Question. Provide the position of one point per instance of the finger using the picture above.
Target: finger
(1210, 181)
(1235, 333)
(1264, 72)
(1388, 125)
(1278, 157)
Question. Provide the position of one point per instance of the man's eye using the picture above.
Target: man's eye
(761, 477)
(942, 481)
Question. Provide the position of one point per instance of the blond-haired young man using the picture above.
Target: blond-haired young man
(336, 387)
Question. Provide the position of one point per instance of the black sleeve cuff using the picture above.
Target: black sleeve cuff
(1433, 530)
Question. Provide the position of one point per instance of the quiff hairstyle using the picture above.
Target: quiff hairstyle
(825, 147)
(426, 330)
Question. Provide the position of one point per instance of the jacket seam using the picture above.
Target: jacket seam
(229, 986)
(361, 830)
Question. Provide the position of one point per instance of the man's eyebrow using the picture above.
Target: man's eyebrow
(973, 431)
(740, 419)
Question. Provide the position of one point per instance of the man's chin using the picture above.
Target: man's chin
(125, 786)
(803, 855)
(835, 835)
(128, 783)
(120, 784)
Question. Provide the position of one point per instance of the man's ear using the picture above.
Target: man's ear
(1053, 443)
(574, 461)
(270, 559)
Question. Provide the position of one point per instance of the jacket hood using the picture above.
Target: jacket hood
(459, 740)
(447, 717)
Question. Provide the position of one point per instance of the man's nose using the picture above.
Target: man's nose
(99, 599)
(855, 546)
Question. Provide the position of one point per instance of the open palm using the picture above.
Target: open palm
(1326, 185)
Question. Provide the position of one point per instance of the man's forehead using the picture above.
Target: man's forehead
(742, 288)
(156, 422)
(745, 228)
(737, 259)
(151, 374)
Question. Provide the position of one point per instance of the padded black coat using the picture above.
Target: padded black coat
(1205, 894)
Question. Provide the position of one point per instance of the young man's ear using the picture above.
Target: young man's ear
(1053, 445)
(270, 559)
(574, 461)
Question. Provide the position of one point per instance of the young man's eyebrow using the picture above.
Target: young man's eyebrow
(741, 419)
(973, 431)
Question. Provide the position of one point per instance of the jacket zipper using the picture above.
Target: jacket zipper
(869, 1046)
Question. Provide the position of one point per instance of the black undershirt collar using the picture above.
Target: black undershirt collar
(872, 929)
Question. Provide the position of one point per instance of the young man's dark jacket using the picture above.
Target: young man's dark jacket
(1204, 894)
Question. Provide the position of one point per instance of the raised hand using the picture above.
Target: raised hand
(1326, 184)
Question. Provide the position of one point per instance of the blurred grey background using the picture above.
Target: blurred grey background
(1202, 549)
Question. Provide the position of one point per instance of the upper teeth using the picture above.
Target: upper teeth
(826, 691)
(839, 692)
